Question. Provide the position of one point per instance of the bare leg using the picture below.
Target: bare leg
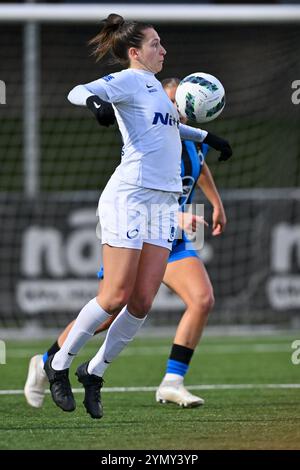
(150, 273)
(188, 278)
(120, 266)
(151, 270)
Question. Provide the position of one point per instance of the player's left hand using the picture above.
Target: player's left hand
(219, 221)
(189, 222)
(220, 144)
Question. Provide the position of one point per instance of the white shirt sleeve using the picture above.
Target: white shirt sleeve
(79, 94)
(191, 133)
(112, 88)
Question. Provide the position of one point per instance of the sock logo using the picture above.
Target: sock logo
(71, 354)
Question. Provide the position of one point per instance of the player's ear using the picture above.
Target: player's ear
(133, 53)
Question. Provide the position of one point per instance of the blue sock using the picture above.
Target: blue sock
(45, 357)
(179, 359)
(176, 367)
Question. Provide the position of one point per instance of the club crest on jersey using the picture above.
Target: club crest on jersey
(108, 78)
(166, 120)
(201, 157)
(188, 183)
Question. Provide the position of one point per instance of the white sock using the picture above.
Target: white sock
(84, 327)
(121, 332)
(173, 378)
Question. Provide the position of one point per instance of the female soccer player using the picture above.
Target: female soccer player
(136, 241)
(185, 275)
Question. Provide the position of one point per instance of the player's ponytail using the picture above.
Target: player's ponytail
(116, 37)
(103, 41)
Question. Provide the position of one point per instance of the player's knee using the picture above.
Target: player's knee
(115, 301)
(208, 302)
(204, 303)
(140, 307)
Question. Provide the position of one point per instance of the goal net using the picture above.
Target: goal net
(55, 160)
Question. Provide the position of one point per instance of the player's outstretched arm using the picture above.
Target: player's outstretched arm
(199, 135)
(191, 133)
(220, 144)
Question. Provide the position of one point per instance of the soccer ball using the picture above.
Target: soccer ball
(200, 97)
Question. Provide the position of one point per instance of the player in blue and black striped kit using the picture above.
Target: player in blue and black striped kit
(185, 275)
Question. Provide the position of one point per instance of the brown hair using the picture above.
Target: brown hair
(170, 82)
(116, 37)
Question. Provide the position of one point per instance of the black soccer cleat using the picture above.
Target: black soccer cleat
(92, 385)
(60, 386)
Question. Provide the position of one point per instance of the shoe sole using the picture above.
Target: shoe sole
(182, 405)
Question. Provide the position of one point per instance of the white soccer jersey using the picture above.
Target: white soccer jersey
(148, 123)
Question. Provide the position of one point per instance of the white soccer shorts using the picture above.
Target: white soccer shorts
(131, 215)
